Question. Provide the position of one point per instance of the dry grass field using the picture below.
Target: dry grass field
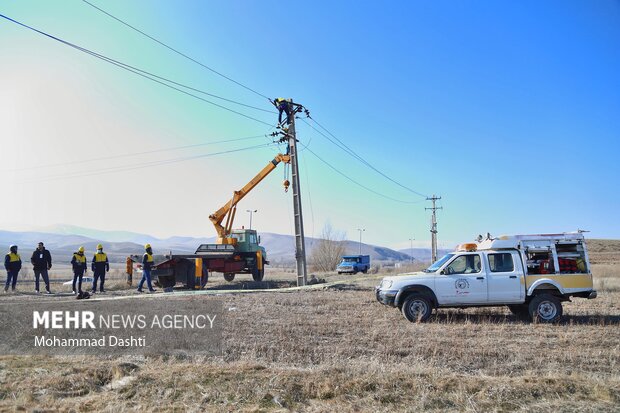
(337, 349)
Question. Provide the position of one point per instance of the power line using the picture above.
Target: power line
(132, 154)
(125, 168)
(175, 50)
(308, 187)
(138, 71)
(340, 144)
(356, 182)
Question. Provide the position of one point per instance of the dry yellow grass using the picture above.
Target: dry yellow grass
(339, 350)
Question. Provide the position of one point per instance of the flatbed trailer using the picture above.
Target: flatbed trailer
(192, 270)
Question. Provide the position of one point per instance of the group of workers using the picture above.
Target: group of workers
(41, 261)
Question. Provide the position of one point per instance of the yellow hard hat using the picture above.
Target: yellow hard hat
(99, 246)
(147, 246)
(81, 249)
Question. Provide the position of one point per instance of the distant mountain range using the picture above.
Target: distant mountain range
(423, 254)
(63, 240)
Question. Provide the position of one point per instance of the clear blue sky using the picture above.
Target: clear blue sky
(508, 110)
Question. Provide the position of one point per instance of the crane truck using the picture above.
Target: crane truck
(236, 251)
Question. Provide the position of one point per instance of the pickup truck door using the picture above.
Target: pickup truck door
(462, 281)
(505, 278)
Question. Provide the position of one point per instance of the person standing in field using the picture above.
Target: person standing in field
(41, 261)
(78, 262)
(12, 264)
(147, 265)
(100, 266)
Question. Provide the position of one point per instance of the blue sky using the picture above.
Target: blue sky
(509, 111)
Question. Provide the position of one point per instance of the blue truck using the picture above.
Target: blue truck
(354, 264)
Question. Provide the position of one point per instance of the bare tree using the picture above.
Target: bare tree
(328, 250)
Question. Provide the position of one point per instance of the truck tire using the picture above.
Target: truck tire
(545, 308)
(257, 275)
(229, 276)
(519, 310)
(417, 308)
(365, 270)
(166, 281)
(204, 278)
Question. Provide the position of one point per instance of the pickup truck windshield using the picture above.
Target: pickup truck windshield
(437, 265)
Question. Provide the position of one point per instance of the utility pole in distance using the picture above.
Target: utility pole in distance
(361, 230)
(411, 255)
(300, 242)
(434, 208)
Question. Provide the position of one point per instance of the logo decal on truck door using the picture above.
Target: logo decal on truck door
(461, 284)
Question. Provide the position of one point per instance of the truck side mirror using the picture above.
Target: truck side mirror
(259, 239)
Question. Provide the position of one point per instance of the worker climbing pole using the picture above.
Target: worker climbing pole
(287, 128)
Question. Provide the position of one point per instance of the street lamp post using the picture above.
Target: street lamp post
(361, 230)
(411, 255)
(251, 212)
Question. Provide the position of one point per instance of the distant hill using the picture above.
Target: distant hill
(119, 244)
(423, 254)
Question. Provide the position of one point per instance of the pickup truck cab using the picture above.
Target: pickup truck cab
(353, 264)
(531, 274)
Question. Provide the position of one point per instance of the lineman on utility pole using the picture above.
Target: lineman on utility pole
(291, 108)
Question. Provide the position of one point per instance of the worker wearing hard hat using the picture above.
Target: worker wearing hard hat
(147, 265)
(12, 264)
(283, 106)
(100, 266)
(78, 262)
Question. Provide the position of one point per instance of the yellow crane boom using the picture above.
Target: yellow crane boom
(227, 212)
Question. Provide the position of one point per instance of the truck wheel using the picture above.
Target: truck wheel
(229, 276)
(166, 282)
(545, 308)
(519, 310)
(365, 271)
(204, 278)
(417, 308)
(257, 275)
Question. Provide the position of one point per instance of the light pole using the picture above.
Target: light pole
(251, 212)
(411, 255)
(361, 230)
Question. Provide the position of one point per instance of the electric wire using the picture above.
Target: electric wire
(175, 50)
(140, 72)
(154, 78)
(339, 143)
(132, 154)
(125, 168)
(307, 188)
(356, 182)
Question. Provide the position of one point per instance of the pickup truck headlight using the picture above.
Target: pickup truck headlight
(385, 284)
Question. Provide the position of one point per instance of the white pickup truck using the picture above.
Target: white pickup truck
(531, 274)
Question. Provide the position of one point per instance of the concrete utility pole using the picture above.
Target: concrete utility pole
(434, 198)
(300, 242)
(251, 212)
(361, 230)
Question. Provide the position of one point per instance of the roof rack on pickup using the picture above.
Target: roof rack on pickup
(519, 241)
